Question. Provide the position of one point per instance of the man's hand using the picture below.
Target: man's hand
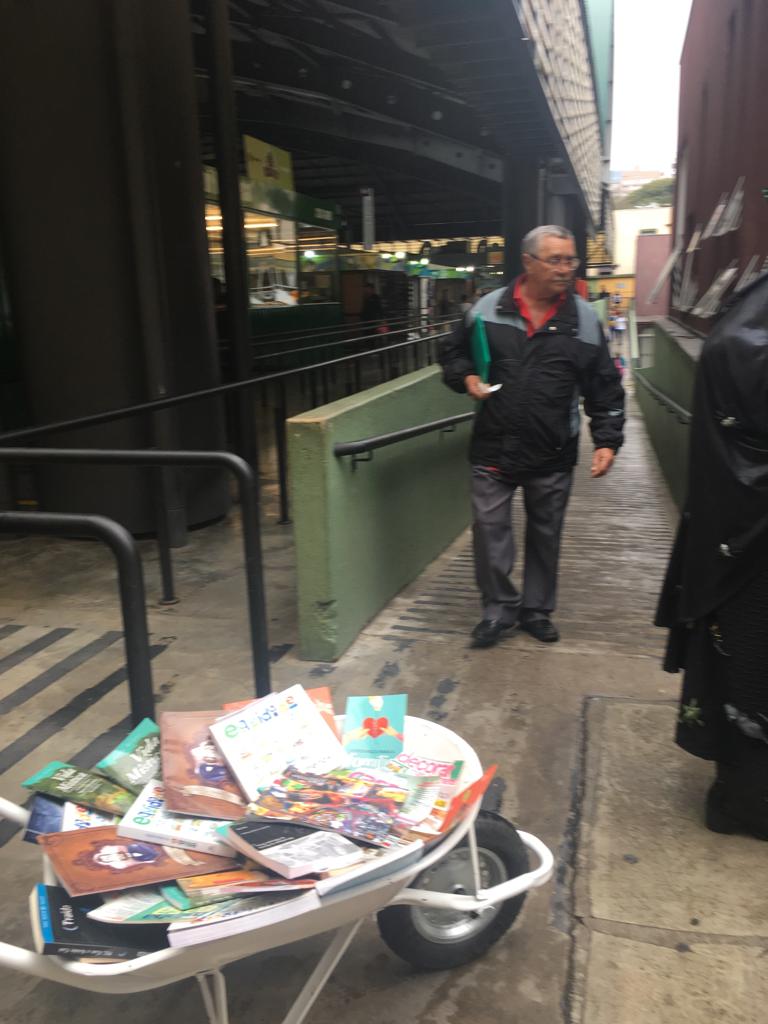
(475, 387)
(602, 460)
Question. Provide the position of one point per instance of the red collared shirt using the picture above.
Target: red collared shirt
(525, 311)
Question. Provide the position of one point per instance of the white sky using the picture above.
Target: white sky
(649, 37)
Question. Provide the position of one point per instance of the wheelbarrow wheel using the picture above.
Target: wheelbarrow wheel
(437, 940)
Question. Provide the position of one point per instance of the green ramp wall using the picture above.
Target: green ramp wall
(362, 533)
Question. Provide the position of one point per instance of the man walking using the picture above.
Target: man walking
(540, 347)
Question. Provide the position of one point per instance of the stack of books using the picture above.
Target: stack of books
(217, 822)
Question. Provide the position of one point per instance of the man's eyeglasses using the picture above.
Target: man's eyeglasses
(557, 261)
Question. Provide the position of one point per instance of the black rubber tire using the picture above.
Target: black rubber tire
(399, 926)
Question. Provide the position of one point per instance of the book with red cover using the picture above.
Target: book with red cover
(99, 860)
(196, 777)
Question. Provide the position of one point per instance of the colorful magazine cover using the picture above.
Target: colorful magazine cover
(352, 802)
(99, 860)
(374, 726)
(195, 775)
(262, 739)
(136, 760)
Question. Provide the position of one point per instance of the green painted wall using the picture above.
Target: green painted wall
(600, 29)
(363, 533)
(672, 371)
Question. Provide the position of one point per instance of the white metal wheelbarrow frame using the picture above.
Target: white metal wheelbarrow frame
(341, 913)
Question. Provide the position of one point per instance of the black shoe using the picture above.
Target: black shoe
(489, 631)
(541, 629)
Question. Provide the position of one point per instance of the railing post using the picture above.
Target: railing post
(160, 476)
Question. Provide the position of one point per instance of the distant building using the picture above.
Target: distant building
(629, 224)
(625, 182)
(652, 255)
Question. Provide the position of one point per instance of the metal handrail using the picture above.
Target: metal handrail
(233, 387)
(369, 444)
(681, 414)
(249, 520)
(131, 583)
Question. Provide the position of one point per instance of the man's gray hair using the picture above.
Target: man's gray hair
(533, 238)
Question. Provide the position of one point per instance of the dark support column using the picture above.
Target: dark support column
(228, 166)
(578, 226)
(520, 192)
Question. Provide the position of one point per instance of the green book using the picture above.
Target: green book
(136, 761)
(481, 353)
(70, 783)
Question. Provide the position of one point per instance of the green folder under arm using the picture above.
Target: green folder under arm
(481, 354)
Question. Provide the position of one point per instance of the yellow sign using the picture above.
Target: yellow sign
(267, 166)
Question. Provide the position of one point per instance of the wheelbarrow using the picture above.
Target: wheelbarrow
(445, 910)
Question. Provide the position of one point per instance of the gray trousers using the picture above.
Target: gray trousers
(546, 498)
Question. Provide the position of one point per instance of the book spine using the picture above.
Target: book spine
(44, 915)
(151, 835)
(72, 950)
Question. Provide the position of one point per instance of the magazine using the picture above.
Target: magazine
(149, 819)
(203, 888)
(270, 734)
(148, 906)
(376, 863)
(374, 727)
(196, 778)
(136, 761)
(99, 860)
(352, 802)
(269, 908)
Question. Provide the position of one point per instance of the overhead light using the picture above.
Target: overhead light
(460, 270)
(413, 263)
(400, 255)
(386, 255)
(424, 261)
(310, 254)
(470, 269)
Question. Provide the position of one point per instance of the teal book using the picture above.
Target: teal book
(373, 726)
(135, 761)
(481, 353)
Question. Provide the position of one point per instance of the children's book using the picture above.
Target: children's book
(136, 761)
(264, 909)
(292, 850)
(196, 777)
(61, 926)
(49, 815)
(149, 819)
(268, 735)
(374, 727)
(99, 860)
(70, 783)
(353, 802)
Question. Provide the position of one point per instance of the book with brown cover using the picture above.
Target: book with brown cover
(99, 860)
(196, 777)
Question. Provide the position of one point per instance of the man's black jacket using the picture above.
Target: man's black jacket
(531, 426)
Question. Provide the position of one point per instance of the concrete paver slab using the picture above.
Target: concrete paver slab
(632, 982)
(646, 854)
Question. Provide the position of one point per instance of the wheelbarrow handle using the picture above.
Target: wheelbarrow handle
(13, 812)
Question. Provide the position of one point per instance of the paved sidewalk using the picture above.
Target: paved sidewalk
(650, 918)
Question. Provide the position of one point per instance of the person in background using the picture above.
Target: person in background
(545, 347)
(715, 596)
(372, 310)
(465, 305)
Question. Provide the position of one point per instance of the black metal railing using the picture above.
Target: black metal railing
(249, 515)
(367, 445)
(314, 381)
(681, 415)
(130, 583)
